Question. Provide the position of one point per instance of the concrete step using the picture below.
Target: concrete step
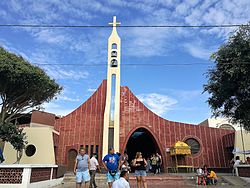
(236, 181)
(70, 177)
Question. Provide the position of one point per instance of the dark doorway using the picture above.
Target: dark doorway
(141, 141)
(71, 159)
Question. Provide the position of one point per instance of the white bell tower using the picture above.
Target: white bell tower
(111, 128)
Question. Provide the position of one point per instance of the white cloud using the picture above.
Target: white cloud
(199, 50)
(186, 95)
(51, 57)
(91, 90)
(158, 103)
(140, 41)
(51, 36)
(65, 98)
(56, 109)
(60, 73)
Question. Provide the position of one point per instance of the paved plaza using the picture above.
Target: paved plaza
(186, 180)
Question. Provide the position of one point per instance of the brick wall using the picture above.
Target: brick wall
(83, 126)
(135, 115)
(40, 174)
(244, 171)
(11, 175)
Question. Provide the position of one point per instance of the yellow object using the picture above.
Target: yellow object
(180, 148)
(212, 175)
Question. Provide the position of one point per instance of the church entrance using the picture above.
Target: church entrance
(141, 141)
(71, 159)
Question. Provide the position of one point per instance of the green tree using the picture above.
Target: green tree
(23, 86)
(229, 80)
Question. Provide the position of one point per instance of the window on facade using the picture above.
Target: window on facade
(114, 46)
(194, 144)
(30, 150)
(97, 150)
(91, 149)
(86, 149)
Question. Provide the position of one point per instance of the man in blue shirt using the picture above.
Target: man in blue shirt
(81, 169)
(112, 165)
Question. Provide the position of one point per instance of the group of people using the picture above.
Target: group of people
(117, 168)
(85, 169)
(236, 161)
(154, 163)
(205, 176)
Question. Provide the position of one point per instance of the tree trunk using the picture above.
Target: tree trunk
(19, 155)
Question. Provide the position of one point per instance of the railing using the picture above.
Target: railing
(28, 176)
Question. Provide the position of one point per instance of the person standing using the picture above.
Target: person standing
(112, 165)
(159, 162)
(236, 163)
(248, 160)
(94, 165)
(123, 181)
(81, 169)
(140, 164)
(154, 163)
(124, 162)
(148, 167)
(200, 176)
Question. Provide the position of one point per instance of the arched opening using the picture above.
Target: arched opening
(141, 140)
(227, 126)
(72, 153)
(114, 46)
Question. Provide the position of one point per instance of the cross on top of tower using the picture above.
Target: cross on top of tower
(114, 23)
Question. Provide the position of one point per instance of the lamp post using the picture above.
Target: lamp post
(242, 140)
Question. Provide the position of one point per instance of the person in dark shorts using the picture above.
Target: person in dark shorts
(94, 165)
(140, 164)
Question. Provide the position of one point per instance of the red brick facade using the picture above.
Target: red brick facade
(84, 127)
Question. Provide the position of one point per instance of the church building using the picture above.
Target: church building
(114, 116)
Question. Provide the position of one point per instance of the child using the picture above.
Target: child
(200, 176)
(212, 177)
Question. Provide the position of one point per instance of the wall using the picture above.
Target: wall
(29, 176)
(42, 118)
(83, 126)
(42, 138)
(238, 142)
(135, 115)
(217, 122)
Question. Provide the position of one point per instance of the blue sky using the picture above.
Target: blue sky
(173, 92)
